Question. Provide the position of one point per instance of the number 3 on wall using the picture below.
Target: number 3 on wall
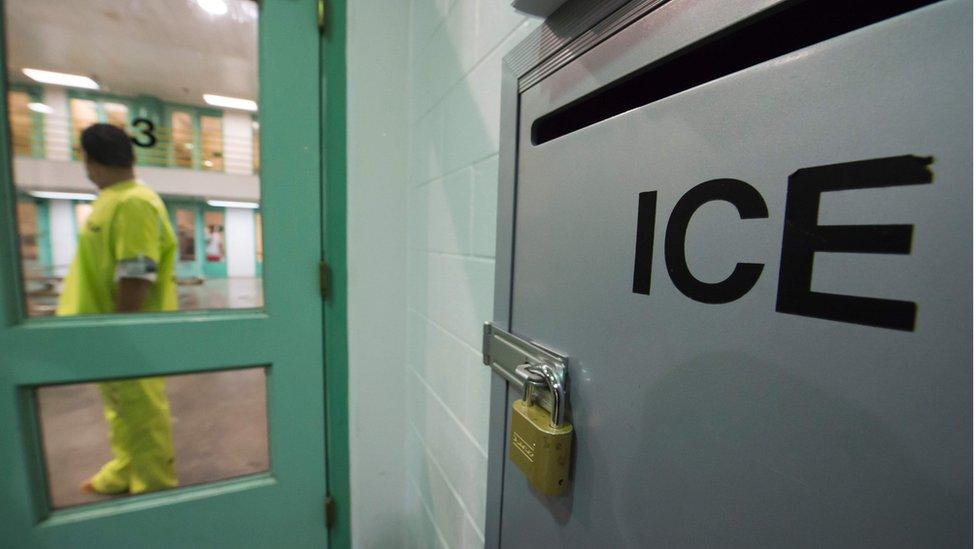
(146, 128)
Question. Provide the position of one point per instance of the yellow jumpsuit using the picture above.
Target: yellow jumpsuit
(128, 234)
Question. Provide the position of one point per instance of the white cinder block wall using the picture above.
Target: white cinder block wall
(456, 48)
(240, 242)
(377, 177)
(423, 101)
(238, 137)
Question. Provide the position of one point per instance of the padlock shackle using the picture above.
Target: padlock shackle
(548, 374)
(529, 384)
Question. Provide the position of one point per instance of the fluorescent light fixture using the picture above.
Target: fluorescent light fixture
(249, 9)
(57, 195)
(213, 7)
(61, 79)
(232, 204)
(230, 102)
(40, 107)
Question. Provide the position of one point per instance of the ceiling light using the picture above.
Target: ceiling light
(231, 204)
(249, 9)
(55, 195)
(40, 107)
(61, 79)
(230, 102)
(213, 7)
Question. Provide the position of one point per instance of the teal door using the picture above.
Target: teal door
(278, 502)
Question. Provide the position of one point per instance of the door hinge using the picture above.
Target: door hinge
(330, 511)
(320, 15)
(324, 279)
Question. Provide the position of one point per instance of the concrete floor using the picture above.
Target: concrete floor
(214, 293)
(220, 431)
(222, 293)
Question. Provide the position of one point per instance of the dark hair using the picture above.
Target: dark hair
(108, 145)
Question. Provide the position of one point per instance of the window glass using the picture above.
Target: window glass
(182, 131)
(27, 225)
(126, 437)
(84, 113)
(186, 227)
(212, 143)
(213, 222)
(116, 114)
(172, 120)
(21, 122)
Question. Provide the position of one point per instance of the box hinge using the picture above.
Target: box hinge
(330, 511)
(324, 279)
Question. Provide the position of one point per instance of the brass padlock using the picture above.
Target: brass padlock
(541, 442)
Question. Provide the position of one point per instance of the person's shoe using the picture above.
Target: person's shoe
(92, 486)
(110, 480)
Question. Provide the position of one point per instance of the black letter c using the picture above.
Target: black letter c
(750, 205)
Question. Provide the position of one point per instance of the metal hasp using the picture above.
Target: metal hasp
(504, 353)
(540, 440)
(517, 361)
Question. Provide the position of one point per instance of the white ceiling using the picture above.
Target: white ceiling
(171, 49)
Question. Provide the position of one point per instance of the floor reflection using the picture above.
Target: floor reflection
(222, 293)
(219, 431)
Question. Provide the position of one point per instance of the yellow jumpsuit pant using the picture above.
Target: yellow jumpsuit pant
(141, 435)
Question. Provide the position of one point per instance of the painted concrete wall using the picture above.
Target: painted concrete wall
(238, 143)
(57, 175)
(239, 244)
(423, 141)
(64, 235)
(377, 148)
(57, 137)
(456, 48)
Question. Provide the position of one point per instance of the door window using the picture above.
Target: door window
(185, 98)
(186, 232)
(84, 113)
(21, 122)
(212, 143)
(129, 436)
(116, 114)
(182, 130)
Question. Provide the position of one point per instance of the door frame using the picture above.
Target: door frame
(332, 187)
(335, 311)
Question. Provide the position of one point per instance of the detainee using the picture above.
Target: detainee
(125, 264)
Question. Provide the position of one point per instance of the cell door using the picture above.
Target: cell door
(747, 226)
(197, 421)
